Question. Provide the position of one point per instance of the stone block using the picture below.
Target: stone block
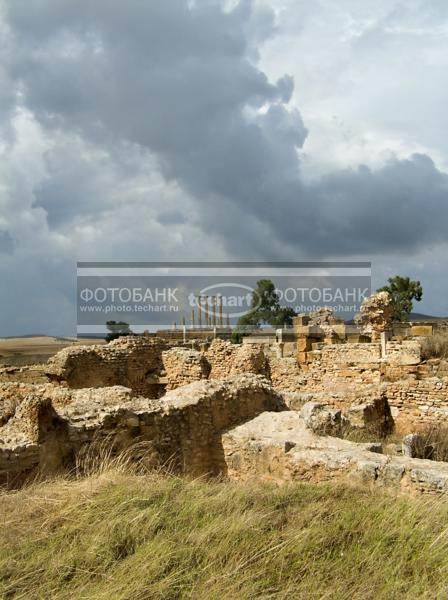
(421, 330)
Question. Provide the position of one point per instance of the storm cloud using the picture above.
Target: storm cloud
(151, 130)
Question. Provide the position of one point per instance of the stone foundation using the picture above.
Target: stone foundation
(279, 448)
(53, 425)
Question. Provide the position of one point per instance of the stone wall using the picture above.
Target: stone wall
(286, 374)
(407, 352)
(135, 362)
(332, 355)
(53, 425)
(228, 359)
(183, 366)
(416, 403)
(338, 366)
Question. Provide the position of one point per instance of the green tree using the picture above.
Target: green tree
(403, 291)
(117, 329)
(265, 310)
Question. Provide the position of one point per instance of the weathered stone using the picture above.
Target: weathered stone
(183, 366)
(375, 315)
(54, 425)
(228, 359)
(322, 419)
(279, 447)
(408, 445)
(133, 361)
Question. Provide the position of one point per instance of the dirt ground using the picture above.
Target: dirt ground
(37, 349)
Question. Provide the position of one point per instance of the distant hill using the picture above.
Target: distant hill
(414, 316)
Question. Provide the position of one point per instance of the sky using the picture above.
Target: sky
(225, 130)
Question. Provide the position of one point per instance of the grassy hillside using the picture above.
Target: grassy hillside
(123, 536)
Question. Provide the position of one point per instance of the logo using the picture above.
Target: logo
(229, 299)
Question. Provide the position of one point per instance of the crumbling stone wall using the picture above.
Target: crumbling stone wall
(12, 394)
(333, 355)
(135, 362)
(53, 425)
(407, 352)
(336, 366)
(183, 366)
(228, 359)
(416, 403)
(32, 439)
(285, 374)
(375, 315)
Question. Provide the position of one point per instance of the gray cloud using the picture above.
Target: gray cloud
(159, 127)
(6, 243)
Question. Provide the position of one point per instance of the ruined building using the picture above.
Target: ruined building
(257, 410)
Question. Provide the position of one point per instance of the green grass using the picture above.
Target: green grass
(118, 535)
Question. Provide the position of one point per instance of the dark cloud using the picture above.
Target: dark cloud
(116, 87)
(178, 81)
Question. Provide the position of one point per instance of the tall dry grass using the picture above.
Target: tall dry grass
(435, 346)
(120, 534)
(431, 442)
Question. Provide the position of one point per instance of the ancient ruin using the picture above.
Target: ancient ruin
(270, 408)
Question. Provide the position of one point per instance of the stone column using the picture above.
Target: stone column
(205, 310)
(214, 310)
(384, 336)
(200, 311)
(220, 311)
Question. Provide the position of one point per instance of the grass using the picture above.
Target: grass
(119, 535)
(369, 434)
(432, 442)
(435, 346)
